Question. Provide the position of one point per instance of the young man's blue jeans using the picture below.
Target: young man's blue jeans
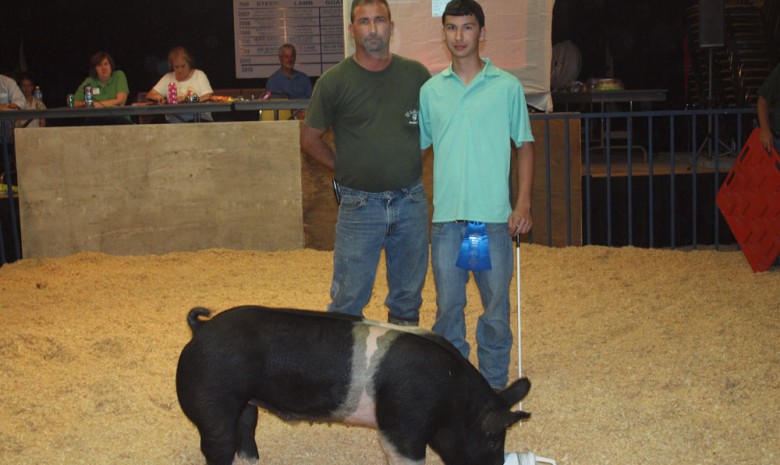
(494, 335)
(367, 222)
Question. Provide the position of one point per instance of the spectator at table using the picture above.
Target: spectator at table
(109, 85)
(288, 82)
(189, 81)
(109, 89)
(27, 86)
(11, 98)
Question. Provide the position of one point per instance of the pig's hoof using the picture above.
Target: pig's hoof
(240, 460)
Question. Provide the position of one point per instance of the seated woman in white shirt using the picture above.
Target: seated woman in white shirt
(189, 82)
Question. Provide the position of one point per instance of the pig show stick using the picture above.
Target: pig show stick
(522, 458)
(519, 326)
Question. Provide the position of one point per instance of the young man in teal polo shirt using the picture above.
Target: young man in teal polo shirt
(472, 113)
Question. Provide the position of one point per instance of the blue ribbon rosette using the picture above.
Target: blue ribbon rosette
(474, 252)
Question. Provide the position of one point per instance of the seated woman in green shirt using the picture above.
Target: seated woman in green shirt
(109, 89)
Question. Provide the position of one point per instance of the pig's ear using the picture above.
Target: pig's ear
(496, 422)
(515, 392)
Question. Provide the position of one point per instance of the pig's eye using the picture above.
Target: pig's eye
(494, 443)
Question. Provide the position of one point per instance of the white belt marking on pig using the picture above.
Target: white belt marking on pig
(370, 347)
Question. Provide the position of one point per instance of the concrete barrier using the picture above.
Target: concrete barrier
(149, 189)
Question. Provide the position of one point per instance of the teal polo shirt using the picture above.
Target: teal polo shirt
(470, 128)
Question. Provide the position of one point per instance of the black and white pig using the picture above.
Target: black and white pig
(411, 385)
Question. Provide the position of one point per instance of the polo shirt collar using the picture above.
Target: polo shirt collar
(488, 70)
(99, 83)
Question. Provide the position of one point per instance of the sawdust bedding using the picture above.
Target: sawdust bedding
(636, 356)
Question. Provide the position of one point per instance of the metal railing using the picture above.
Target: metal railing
(657, 188)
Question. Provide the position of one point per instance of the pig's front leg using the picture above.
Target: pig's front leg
(247, 424)
(395, 458)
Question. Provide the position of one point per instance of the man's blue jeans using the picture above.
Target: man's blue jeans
(494, 335)
(367, 222)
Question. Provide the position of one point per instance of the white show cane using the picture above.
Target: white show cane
(522, 458)
(519, 325)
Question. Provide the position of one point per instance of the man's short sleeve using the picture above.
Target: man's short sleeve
(520, 123)
(425, 123)
(318, 115)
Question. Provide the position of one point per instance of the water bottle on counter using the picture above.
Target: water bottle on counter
(37, 94)
(173, 96)
(88, 95)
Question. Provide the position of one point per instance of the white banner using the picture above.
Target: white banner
(518, 39)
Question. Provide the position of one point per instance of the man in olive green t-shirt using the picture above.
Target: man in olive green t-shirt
(370, 100)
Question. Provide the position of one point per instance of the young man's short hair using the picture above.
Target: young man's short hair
(464, 8)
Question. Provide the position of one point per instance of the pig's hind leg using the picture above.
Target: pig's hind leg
(226, 431)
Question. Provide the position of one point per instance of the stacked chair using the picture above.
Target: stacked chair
(748, 55)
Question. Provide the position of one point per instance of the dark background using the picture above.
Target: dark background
(645, 39)
(61, 35)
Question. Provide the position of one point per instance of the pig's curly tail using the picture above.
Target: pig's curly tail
(193, 317)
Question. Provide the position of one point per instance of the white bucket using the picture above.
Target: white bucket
(526, 458)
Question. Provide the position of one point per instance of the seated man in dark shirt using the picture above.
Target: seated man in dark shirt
(288, 82)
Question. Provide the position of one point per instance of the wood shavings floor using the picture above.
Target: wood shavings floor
(636, 356)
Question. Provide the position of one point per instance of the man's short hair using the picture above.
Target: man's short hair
(289, 47)
(464, 8)
(357, 3)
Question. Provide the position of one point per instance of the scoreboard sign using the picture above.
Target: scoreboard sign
(314, 27)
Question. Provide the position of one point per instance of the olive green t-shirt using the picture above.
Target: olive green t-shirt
(374, 121)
